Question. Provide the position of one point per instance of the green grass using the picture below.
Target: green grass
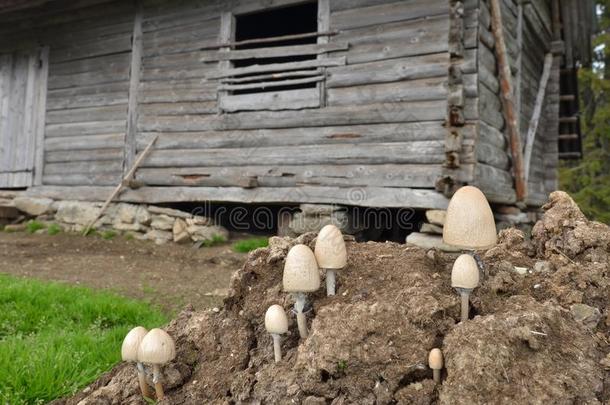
(216, 240)
(53, 229)
(247, 245)
(108, 234)
(33, 226)
(55, 338)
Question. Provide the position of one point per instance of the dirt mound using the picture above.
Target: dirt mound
(538, 333)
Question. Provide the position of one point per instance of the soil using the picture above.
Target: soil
(169, 276)
(369, 343)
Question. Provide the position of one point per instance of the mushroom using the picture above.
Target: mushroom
(276, 324)
(465, 278)
(435, 362)
(331, 254)
(469, 223)
(129, 352)
(157, 348)
(301, 276)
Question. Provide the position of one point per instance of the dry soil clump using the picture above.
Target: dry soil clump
(538, 329)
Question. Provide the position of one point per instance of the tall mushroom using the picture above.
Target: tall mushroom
(435, 362)
(129, 352)
(276, 324)
(157, 348)
(469, 223)
(301, 276)
(331, 254)
(465, 278)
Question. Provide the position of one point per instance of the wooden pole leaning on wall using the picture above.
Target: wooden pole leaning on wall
(507, 100)
(122, 184)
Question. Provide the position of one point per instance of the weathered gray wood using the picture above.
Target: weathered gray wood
(187, 108)
(368, 114)
(85, 128)
(413, 90)
(392, 70)
(83, 155)
(492, 135)
(96, 48)
(204, 93)
(6, 63)
(109, 63)
(40, 112)
(79, 179)
(85, 142)
(274, 101)
(227, 34)
(496, 184)
(276, 67)
(87, 100)
(278, 75)
(83, 168)
(94, 77)
(177, 72)
(134, 84)
(491, 155)
(367, 197)
(100, 89)
(274, 52)
(105, 113)
(265, 85)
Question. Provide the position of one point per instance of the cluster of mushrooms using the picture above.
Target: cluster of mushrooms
(469, 225)
(155, 348)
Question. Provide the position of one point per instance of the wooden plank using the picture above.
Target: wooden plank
(352, 115)
(489, 154)
(367, 197)
(392, 70)
(108, 63)
(83, 155)
(492, 135)
(178, 95)
(87, 100)
(92, 78)
(97, 48)
(227, 34)
(6, 64)
(134, 85)
(271, 84)
(85, 128)
(106, 113)
(420, 152)
(85, 142)
(276, 67)
(87, 90)
(84, 168)
(187, 108)
(40, 112)
(412, 90)
(278, 75)
(387, 175)
(274, 101)
(274, 52)
(79, 179)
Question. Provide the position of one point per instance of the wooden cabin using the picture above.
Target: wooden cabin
(382, 103)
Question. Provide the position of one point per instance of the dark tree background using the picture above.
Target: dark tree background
(588, 180)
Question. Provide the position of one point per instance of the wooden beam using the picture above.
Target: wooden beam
(507, 100)
(533, 127)
(519, 59)
(41, 115)
(134, 84)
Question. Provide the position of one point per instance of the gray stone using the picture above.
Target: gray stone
(162, 222)
(585, 314)
(33, 206)
(436, 217)
(76, 212)
(543, 267)
(520, 270)
(301, 223)
(135, 227)
(431, 228)
(179, 231)
(512, 219)
(198, 220)
(427, 241)
(169, 211)
(126, 213)
(320, 209)
(158, 236)
(143, 216)
(204, 233)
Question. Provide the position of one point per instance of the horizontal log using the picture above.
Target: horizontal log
(188, 108)
(270, 84)
(108, 63)
(492, 135)
(273, 101)
(424, 152)
(88, 78)
(366, 197)
(83, 168)
(278, 75)
(99, 89)
(490, 155)
(83, 155)
(352, 115)
(79, 179)
(87, 100)
(97, 48)
(106, 113)
(496, 184)
(275, 52)
(205, 93)
(85, 142)
(85, 128)
(277, 67)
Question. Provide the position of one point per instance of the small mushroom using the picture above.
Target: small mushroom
(157, 348)
(465, 278)
(301, 276)
(331, 254)
(129, 352)
(469, 223)
(276, 324)
(435, 362)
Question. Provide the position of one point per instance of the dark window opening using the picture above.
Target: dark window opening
(292, 20)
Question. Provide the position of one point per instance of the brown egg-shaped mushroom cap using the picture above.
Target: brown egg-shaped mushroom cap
(157, 347)
(435, 359)
(301, 270)
(275, 320)
(131, 343)
(465, 272)
(330, 248)
(469, 223)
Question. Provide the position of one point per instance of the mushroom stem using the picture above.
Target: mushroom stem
(330, 282)
(156, 380)
(277, 347)
(465, 295)
(142, 379)
(436, 374)
(299, 305)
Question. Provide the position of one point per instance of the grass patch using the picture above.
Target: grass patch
(33, 226)
(216, 240)
(53, 229)
(108, 234)
(55, 338)
(248, 245)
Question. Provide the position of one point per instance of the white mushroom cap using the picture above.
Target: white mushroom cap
(465, 272)
(301, 270)
(330, 248)
(131, 343)
(275, 320)
(435, 359)
(469, 223)
(157, 347)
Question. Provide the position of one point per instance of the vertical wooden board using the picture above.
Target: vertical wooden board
(323, 26)
(227, 34)
(134, 84)
(40, 114)
(5, 75)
